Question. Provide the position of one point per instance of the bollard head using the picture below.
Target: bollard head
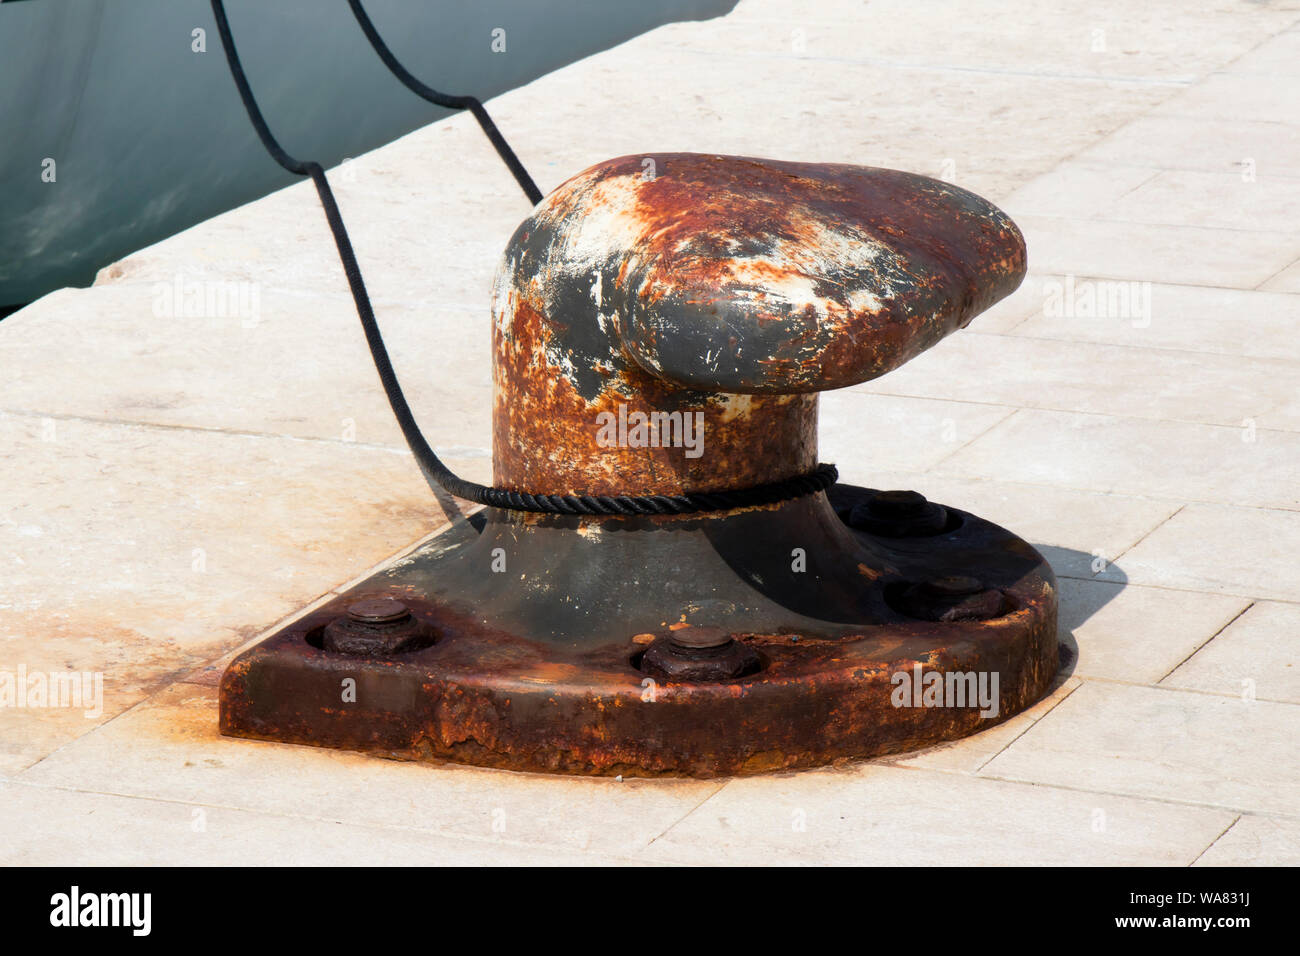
(724, 290)
(733, 274)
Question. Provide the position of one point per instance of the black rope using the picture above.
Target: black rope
(450, 102)
(435, 472)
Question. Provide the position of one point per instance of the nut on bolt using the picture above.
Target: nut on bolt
(956, 597)
(898, 514)
(376, 627)
(698, 654)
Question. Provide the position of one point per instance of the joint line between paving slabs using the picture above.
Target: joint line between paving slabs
(1217, 838)
(1156, 174)
(1275, 275)
(1104, 164)
(1179, 590)
(1124, 794)
(1063, 699)
(1060, 410)
(1203, 643)
(1010, 331)
(1099, 276)
(204, 429)
(234, 808)
(670, 826)
(1177, 83)
(1216, 694)
(1279, 233)
(1160, 524)
(1180, 350)
(1005, 418)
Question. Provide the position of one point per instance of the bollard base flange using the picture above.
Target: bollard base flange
(848, 643)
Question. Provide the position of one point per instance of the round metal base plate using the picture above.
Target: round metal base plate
(846, 643)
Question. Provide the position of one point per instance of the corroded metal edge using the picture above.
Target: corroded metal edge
(485, 696)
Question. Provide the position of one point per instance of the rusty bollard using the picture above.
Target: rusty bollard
(662, 326)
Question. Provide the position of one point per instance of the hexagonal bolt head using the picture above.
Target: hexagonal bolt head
(379, 627)
(898, 514)
(699, 654)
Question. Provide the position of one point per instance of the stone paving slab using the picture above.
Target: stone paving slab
(1200, 144)
(1167, 744)
(299, 369)
(1256, 840)
(1235, 197)
(1143, 636)
(1256, 655)
(891, 816)
(169, 748)
(1193, 318)
(1143, 252)
(1142, 382)
(1205, 463)
(1242, 551)
(97, 829)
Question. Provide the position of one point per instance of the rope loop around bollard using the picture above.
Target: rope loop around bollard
(437, 474)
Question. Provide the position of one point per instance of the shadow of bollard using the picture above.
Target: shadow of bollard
(1078, 605)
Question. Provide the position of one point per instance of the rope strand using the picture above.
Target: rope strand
(450, 102)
